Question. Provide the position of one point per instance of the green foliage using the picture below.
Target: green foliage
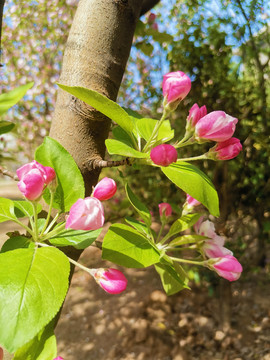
(102, 104)
(79, 239)
(52, 154)
(7, 100)
(41, 347)
(195, 183)
(127, 247)
(173, 281)
(37, 281)
(138, 206)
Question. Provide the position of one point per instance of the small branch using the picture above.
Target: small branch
(99, 163)
(8, 173)
(148, 5)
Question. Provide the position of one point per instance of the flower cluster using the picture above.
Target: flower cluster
(222, 259)
(85, 214)
(200, 127)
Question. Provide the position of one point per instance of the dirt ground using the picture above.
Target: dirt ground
(144, 324)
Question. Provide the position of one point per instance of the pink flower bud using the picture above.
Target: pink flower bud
(228, 267)
(225, 150)
(212, 250)
(34, 177)
(165, 209)
(86, 214)
(58, 358)
(105, 189)
(176, 86)
(195, 114)
(163, 155)
(154, 26)
(46, 172)
(111, 280)
(151, 18)
(215, 126)
(189, 204)
(191, 201)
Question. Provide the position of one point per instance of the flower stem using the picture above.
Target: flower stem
(49, 212)
(186, 261)
(183, 143)
(54, 232)
(200, 157)
(35, 228)
(51, 223)
(90, 271)
(153, 137)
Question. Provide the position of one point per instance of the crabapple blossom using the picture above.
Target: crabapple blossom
(165, 209)
(215, 126)
(86, 214)
(207, 228)
(33, 178)
(175, 86)
(111, 280)
(228, 267)
(105, 189)
(195, 114)
(212, 250)
(225, 150)
(163, 155)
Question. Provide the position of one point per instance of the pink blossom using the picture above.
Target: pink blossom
(165, 209)
(207, 228)
(176, 86)
(58, 358)
(212, 250)
(105, 189)
(191, 201)
(228, 267)
(86, 214)
(195, 114)
(151, 18)
(163, 155)
(225, 150)
(215, 126)
(34, 177)
(111, 280)
(189, 204)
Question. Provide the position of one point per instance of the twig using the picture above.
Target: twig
(99, 163)
(8, 173)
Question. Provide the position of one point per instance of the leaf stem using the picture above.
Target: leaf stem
(54, 232)
(35, 228)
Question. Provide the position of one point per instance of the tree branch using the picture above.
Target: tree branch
(148, 5)
(99, 163)
(8, 173)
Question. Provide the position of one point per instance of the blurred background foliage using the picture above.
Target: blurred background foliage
(224, 46)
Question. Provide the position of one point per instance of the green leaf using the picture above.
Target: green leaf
(6, 126)
(160, 37)
(120, 135)
(145, 47)
(116, 147)
(10, 98)
(69, 178)
(79, 239)
(186, 239)
(126, 247)
(41, 347)
(23, 208)
(7, 210)
(138, 206)
(172, 280)
(33, 285)
(146, 127)
(102, 104)
(185, 222)
(195, 183)
(17, 242)
(139, 226)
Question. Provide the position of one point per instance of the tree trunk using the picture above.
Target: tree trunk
(96, 54)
